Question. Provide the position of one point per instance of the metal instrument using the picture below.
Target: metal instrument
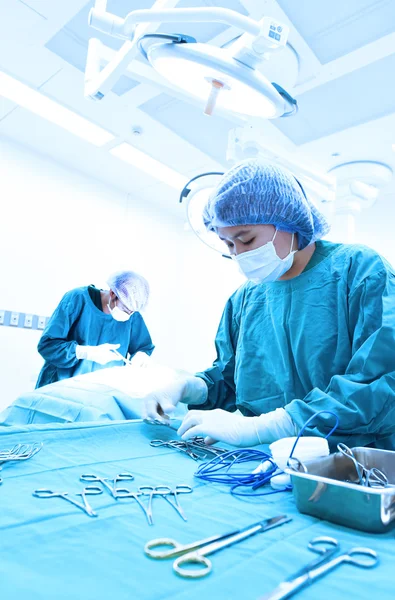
(123, 493)
(332, 481)
(120, 477)
(173, 424)
(198, 443)
(88, 491)
(20, 452)
(364, 558)
(196, 553)
(119, 355)
(179, 445)
(110, 487)
(366, 477)
(165, 491)
(194, 448)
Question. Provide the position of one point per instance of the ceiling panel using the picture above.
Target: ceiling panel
(333, 29)
(50, 9)
(71, 42)
(6, 107)
(57, 144)
(202, 32)
(363, 95)
(18, 21)
(208, 134)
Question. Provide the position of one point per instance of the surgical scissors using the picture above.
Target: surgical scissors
(196, 553)
(165, 491)
(114, 491)
(364, 558)
(366, 477)
(325, 547)
(88, 491)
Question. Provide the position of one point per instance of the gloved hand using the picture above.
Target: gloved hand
(185, 388)
(233, 428)
(140, 359)
(101, 354)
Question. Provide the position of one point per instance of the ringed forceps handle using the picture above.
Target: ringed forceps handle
(364, 558)
(45, 493)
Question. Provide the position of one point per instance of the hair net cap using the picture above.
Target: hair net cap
(132, 289)
(257, 193)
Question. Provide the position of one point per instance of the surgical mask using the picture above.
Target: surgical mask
(263, 264)
(118, 314)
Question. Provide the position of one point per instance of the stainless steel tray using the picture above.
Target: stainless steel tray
(328, 490)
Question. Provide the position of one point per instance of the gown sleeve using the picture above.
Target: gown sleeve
(54, 346)
(220, 377)
(140, 339)
(363, 397)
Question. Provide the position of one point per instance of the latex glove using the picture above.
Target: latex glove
(163, 401)
(233, 428)
(101, 354)
(140, 359)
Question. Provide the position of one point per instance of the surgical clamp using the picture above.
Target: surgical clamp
(165, 491)
(123, 493)
(176, 445)
(114, 491)
(88, 491)
(366, 477)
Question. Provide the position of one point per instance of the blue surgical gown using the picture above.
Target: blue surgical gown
(77, 321)
(324, 340)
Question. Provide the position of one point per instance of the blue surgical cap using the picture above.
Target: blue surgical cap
(257, 193)
(131, 288)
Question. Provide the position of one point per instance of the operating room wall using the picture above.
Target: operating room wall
(60, 229)
(375, 226)
(370, 226)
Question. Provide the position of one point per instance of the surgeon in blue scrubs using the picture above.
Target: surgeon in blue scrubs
(312, 329)
(89, 324)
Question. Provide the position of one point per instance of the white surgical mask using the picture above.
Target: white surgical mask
(118, 314)
(263, 264)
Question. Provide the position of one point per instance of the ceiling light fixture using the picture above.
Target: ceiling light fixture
(50, 110)
(149, 165)
(225, 77)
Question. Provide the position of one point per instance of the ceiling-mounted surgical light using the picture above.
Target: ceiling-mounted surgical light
(196, 194)
(359, 184)
(221, 77)
(214, 76)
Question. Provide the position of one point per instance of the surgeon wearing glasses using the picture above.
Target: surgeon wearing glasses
(312, 329)
(89, 324)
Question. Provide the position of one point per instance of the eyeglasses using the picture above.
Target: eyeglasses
(122, 307)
